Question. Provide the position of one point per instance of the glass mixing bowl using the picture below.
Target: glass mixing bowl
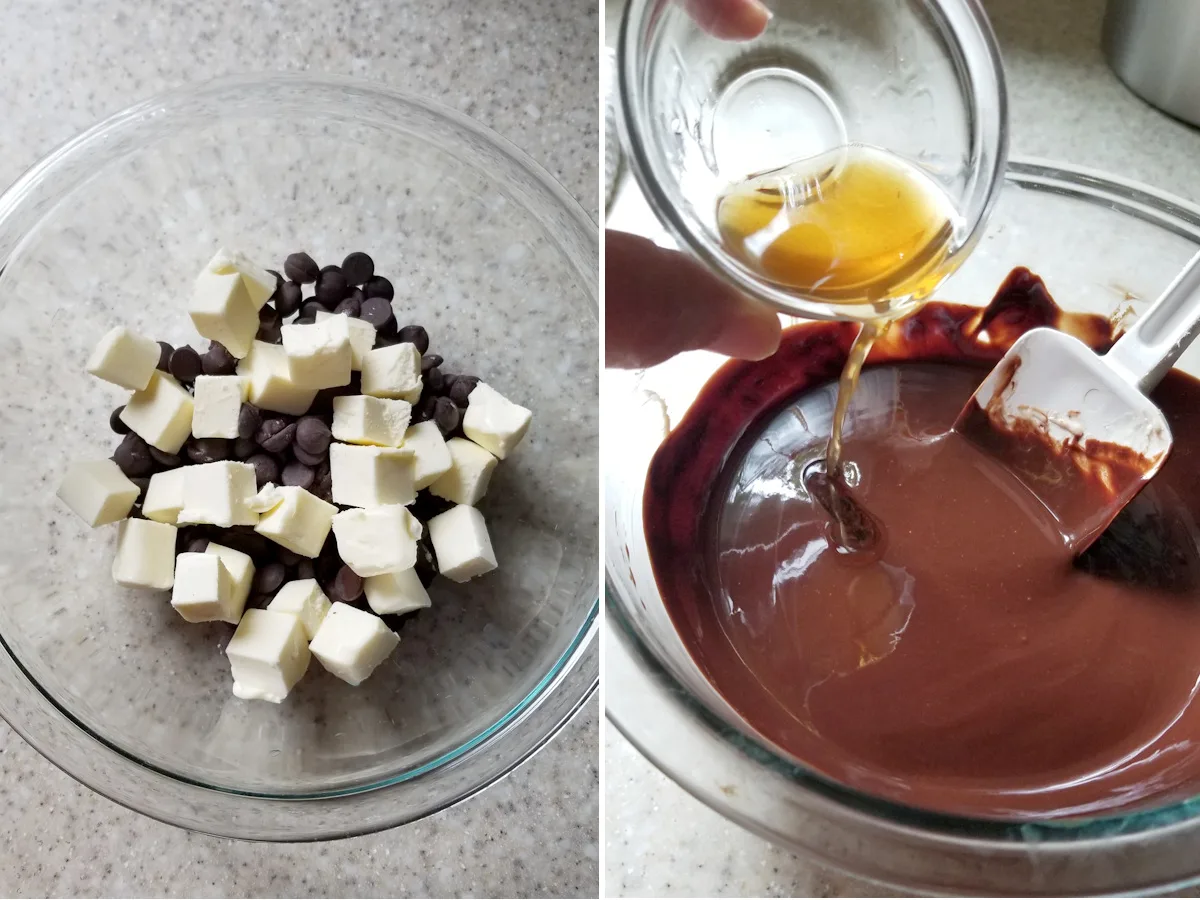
(1103, 245)
(921, 79)
(487, 252)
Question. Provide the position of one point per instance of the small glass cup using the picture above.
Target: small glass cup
(919, 79)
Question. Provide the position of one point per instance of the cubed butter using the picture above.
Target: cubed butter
(267, 499)
(241, 570)
(494, 422)
(393, 372)
(217, 402)
(145, 555)
(300, 522)
(259, 283)
(161, 415)
(124, 359)
(164, 496)
(396, 593)
(304, 599)
(222, 310)
(376, 541)
(319, 355)
(360, 419)
(371, 476)
(268, 654)
(431, 457)
(219, 493)
(270, 385)
(461, 542)
(203, 590)
(351, 643)
(362, 337)
(469, 475)
(98, 492)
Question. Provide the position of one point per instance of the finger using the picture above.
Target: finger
(659, 302)
(733, 20)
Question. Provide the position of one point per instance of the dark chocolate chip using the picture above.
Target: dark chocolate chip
(207, 450)
(425, 408)
(166, 460)
(249, 418)
(133, 457)
(347, 585)
(447, 415)
(430, 361)
(115, 423)
(164, 356)
(461, 389)
(309, 459)
(269, 578)
(435, 382)
(378, 312)
(310, 308)
(143, 484)
(332, 287)
(297, 474)
(313, 434)
(244, 448)
(218, 361)
(259, 601)
(276, 435)
(379, 287)
(270, 333)
(358, 268)
(288, 299)
(196, 545)
(304, 320)
(288, 558)
(304, 569)
(429, 505)
(266, 469)
(301, 267)
(351, 307)
(185, 364)
(324, 487)
(416, 335)
(267, 314)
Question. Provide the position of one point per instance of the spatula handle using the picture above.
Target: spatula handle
(1146, 352)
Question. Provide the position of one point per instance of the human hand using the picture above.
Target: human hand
(735, 20)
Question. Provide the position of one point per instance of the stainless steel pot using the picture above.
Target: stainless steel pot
(1154, 47)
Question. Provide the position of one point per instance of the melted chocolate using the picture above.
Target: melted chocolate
(968, 664)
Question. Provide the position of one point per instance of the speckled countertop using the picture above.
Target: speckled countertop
(525, 68)
(1066, 105)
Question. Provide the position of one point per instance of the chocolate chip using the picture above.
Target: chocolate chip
(207, 450)
(269, 578)
(378, 312)
(249, 418)
(313, 434)
(351, 306)
(429, 505)
(218, 361)
(276, 435)
(304, 569)
(309, 310)
(266, 469)
(143, 484)
(196, 545)
(301, 267)
(358, 268)
(332, 287)
(379, 287)
(461, 389)
(133, 457)
(347, 585)
(164, 356)
(288, 558)
(309, 459)
(185, 364)
(435, 381)
(165, 460)
(323, 488)
(304, 320)
(288, 299)
(424, 409)
(447, 415)
(297, 474)
(416, 335)
(244, 448)
(430, 361)
(115, 423)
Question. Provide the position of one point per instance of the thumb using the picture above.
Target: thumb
(734, 20)
(659, 302)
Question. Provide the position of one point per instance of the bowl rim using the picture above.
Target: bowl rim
(921, 830)
(60, 737)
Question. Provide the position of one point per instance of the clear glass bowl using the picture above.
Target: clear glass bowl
(1103, 245)
(486, 251)
(921, 79)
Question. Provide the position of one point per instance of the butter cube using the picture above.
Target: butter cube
(362, 337)
(222, 310)
(371, 476)
(431, 456)
(319, 355)
(351, 643)
(145, 555)
(98, 492)
(494, 422)
(217, 402)
(376, 541)
(124, 359)
(396, 592)
(203, 590)
(300, 522)
(461, 542)
(259, 283)
(393, 372)
(469, 475)
(164, 496)
(240, 567)
(305, 600)
(359, 419)
(161, 415)
(270, 384)
(267, 499)
(218, 493)
(268, 654)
